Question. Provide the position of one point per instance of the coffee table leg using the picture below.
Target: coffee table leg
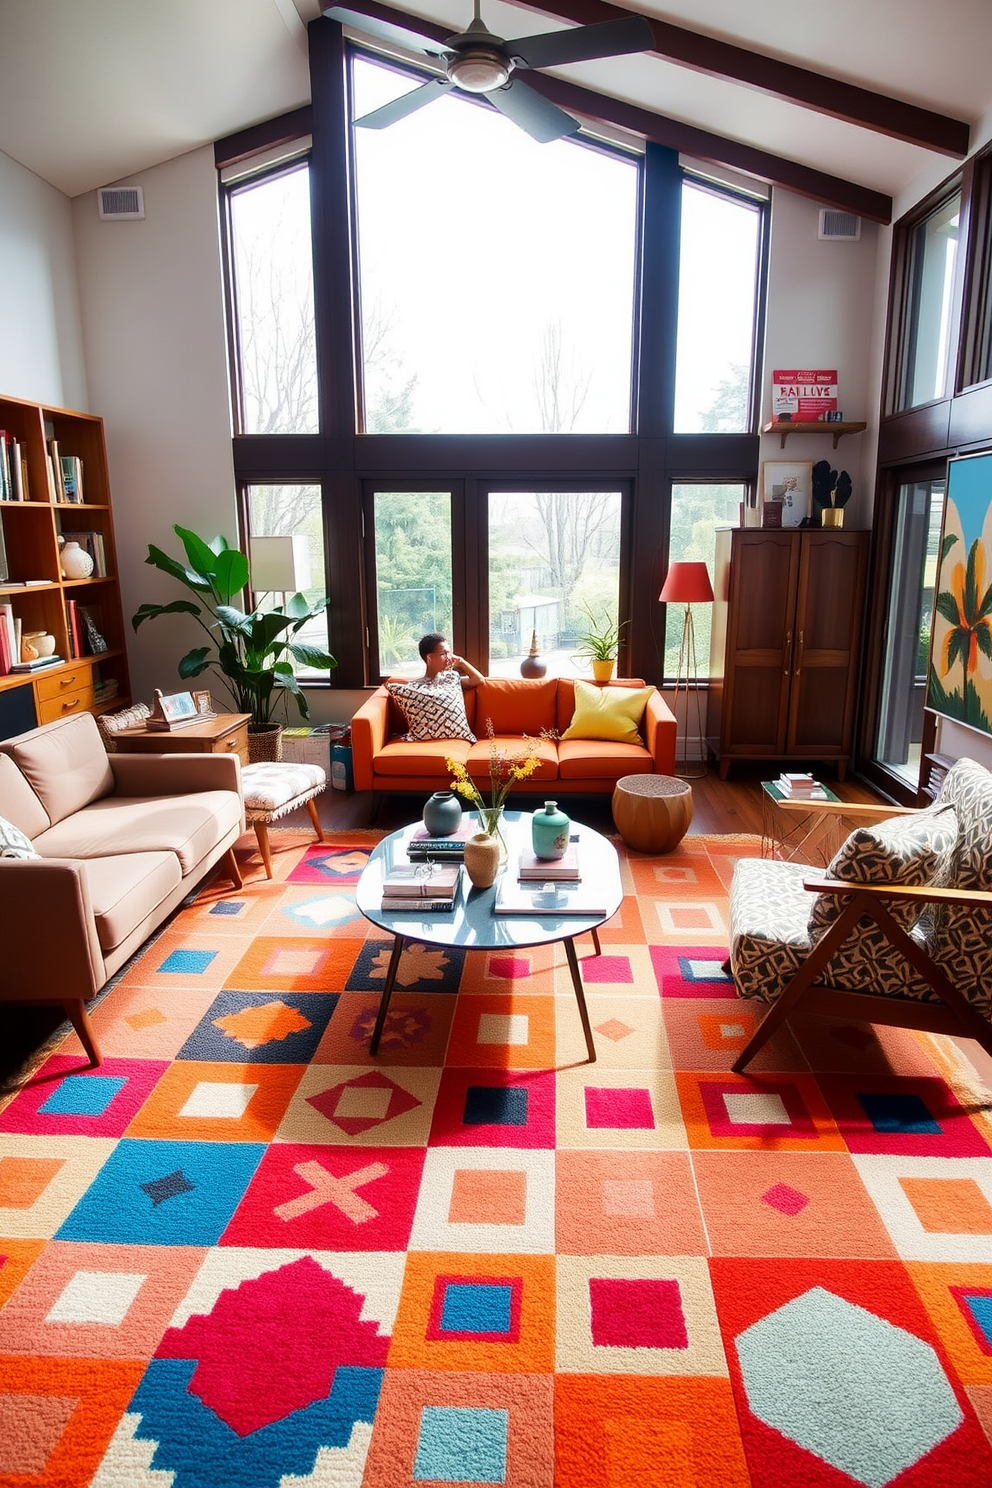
(595, 940)
(387, 992)
(580, 996)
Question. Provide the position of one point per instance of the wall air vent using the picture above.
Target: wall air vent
(840, 227)
(121, 203)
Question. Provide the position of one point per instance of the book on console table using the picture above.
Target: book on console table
(425, 881)
(549, 898)
(802, 787)
(532, 869)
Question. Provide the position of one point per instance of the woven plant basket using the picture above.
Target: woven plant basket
(264, 743)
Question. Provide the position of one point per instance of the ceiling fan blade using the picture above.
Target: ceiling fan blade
(384, 30)
(405, 105)
(542, 120)
(583, 43)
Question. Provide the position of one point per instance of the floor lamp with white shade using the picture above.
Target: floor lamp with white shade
(688, 584)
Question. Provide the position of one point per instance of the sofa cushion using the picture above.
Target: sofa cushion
(566, 696)
(188, 826)
(515, 706)
(14, 843)
(911, 850)
(400, 758)
(593, 759)
(433, 709)
(964, 935)
(611, 713)
(18, 802)
(65, 764)
(126, 889)
(516, 749)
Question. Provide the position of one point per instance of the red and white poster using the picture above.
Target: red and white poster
(805, 393)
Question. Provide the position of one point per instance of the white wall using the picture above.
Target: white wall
(821, 298)
(41, 350)
(156, 363)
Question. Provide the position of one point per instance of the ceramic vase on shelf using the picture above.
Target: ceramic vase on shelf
(549, 832)
(76, 562)
(602, 670)
(443, 814)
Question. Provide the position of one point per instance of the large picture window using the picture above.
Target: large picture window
(272, 266)
(554, 569)
(291, 511)
(719, 260)
(697, 511)
(928, 320)
(497, 274)
(412, 547)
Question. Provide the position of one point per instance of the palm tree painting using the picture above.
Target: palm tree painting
(960, 683)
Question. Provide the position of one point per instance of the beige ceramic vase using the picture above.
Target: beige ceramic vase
(482, 857)
(603, 670)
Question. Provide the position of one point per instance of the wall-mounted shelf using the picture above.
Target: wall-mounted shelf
(813, 426)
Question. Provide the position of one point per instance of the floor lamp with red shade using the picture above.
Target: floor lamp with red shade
(688, 584)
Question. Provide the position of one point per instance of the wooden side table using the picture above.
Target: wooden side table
(652, 812)
(225, 734)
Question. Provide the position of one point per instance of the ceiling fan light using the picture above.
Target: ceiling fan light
(479, 72)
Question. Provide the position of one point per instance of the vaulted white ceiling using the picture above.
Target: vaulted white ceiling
(95, 90)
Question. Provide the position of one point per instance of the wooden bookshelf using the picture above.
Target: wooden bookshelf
(32, 528)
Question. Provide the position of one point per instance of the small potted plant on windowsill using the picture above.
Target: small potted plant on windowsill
(254, 652)
(599, 644)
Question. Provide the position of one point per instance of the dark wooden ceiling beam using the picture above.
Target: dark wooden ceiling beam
(644, 123)
(765, 74)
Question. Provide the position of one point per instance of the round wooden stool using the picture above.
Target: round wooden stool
(652, 812)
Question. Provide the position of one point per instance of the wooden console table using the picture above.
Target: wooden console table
(225, 734)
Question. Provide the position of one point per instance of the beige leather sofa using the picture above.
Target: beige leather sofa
(122, 839)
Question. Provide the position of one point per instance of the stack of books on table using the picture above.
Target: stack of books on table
(421, 888)
(552, 897)
(450, 849)
(532, 869)
(801, 787)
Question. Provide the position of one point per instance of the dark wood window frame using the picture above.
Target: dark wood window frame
(346, 464)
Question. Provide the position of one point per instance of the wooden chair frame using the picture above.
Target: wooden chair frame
(953, 1014)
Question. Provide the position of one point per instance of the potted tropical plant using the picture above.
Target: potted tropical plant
(253, 652)
(599, 643)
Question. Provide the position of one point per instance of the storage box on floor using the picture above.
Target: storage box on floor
(328, 745)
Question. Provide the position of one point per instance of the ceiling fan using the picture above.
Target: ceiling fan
(476, 61)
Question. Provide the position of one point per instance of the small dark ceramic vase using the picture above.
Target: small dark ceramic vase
(549, 832)
(443, 814)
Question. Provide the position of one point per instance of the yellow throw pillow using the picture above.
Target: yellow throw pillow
(608, 713)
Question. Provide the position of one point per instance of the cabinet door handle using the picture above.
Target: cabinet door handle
(788, 651)
(799, 655)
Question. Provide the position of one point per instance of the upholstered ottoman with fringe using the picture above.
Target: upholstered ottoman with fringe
(274, 790)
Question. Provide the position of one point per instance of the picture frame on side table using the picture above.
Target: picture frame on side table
(177, 710)
(204, 704)
(791, 482)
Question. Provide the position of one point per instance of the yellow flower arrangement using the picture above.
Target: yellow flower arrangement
(505, 770)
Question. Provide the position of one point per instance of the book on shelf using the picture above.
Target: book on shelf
(6, 471)
(38, 665)
(75, 629)
(532, 868)
(425, 881)
(91, 542)
(548, 898)
(72, 477)
(4, 566)
(55, 472)
(19, 470)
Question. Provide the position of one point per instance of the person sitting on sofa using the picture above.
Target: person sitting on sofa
(441, 664)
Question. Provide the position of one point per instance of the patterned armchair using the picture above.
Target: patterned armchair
(898, 929)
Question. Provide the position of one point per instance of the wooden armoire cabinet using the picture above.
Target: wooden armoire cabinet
(784, 644)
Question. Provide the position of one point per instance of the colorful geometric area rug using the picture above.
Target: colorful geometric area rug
(244, 1254)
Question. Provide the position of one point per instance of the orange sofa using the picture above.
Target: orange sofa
(384, 761)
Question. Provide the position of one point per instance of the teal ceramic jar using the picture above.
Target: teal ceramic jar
(549, 832)
(443, 814)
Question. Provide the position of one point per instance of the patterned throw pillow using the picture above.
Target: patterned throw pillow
(13, 843)
(433, 709)
(911, 850)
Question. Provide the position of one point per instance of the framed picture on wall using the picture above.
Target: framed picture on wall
(959, 685)
(791, 482)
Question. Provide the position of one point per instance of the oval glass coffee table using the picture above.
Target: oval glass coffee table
(473, 926)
